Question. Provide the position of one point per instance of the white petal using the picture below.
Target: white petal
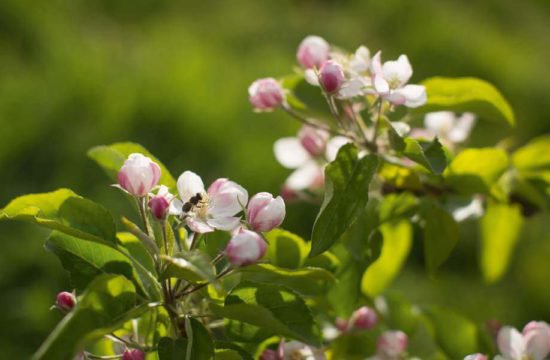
(227, 223)
(462, 128)
(376, 64)
(440, 122)
(198, 225)
(175, 207)
(537, 339)
(290, 153)
(396, 98)
(473, 210)
(380, 85)
(415, 95)
(189, 184)
(361, 60)
(353, 87)
(305, 176)
(402, 128)
(311, 77)
(510, 343)
(334, 145)
(227, 200)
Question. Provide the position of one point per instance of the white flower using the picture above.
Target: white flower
(390, 82)
(308, 161)
(532, 344)
(475, 357)
(448, 127)
(295, 350)
(205, 211)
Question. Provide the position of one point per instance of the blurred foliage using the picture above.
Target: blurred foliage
(172, 75)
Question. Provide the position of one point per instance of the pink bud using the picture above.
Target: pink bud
(392, 343)
(341, 324)
(266, 94)
(159, 206)
(269, 354)
(288, 194)
(65, 301)
(133, 354)
(245, 248)
(313, 140)
(331, 76)
(265, 213)
(476, 357)
(313, 50)
(138, 175)
(363, 318)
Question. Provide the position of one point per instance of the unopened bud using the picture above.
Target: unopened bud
(312, 51)
(341, 324)
(264, 213)
(476, 357)
(363, 318)
(266, 94)
(245, 248)
(138, 175)
(133, 354)
(159, 206)
(65, 301)
(313, 140)
(391, 343)
(331, 76)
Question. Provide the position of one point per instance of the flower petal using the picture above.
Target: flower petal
(537, 339)
(415, 95)
(311, 77)
(198, 225)
(510, 342)
(462, 128)
(334, 145)
(376, 64)
(226, 198)
(380, 85)
(189, 184)
(305, 177)
(290, 153)
(227, 223)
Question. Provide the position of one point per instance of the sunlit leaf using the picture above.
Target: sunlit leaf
(193, 266)
(440, 236)
(286, 249)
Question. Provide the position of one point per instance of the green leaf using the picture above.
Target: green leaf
(396, 246)
(456, 335)
(86, 260)
(230, 346)
(286, 249)
(197, 346)
(271, 309)
(108, 302)
(305, 281)
(399, 313)
(440, 236)
(136, 250)
(432, 156)
(65, 211)
(172, 349)
(500, 228)
(533, 159)
(466, 95)
(476, 170)
(347, 181)
(395, 206)
(112, 157)
(193, 266)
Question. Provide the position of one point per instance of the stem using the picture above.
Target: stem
(143, 213)
(377, 121)
(200, 286)
(361, 127)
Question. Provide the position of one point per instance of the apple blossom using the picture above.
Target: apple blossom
(448, 127)
(264, 213)
(331, 76)
(245, 248)
(159, 206)
(390, 82)
(133, 354)
(391, 344)
(533, 343)
(312, 51)
(313, 140)
(363, 318)
(476, 357)
(138, 175)
(205, 211)
(65, 301)
(266, 94)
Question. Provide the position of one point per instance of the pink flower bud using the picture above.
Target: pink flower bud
(65, 301)
(133, 354)
(269, 354)
(265, 213)
(363, 318)
(391, 343)
(476, 357)
(341, 324)
(313, 140)
(288, 194)
(138, 175)
(245, 248)
(331, 76)
(313, 50)
(159, 206)
(266, 94)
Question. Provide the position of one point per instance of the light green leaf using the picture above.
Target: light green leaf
(304, 281)
(466, 95)
(112, 157)
(396, 246)
(440, 236)
(286, 249)
(65, 211)
(533, 159)
(476, 170)
(193, 266)
(500, 228)
(456, 335)
(394, 206)
(136, 250)
(270, 309)
(108, 302)
(347, 181)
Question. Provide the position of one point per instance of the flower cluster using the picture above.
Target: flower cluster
(219, 207)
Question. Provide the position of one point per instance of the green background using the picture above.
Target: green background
(173, 76)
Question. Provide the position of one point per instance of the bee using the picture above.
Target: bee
(193, 201)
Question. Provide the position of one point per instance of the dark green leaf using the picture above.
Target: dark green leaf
(395, 206)
(440, 236)
(112, 157)
(172, 349)
(197, 346)
(466, 95)
(108, 302)
(347, 181)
